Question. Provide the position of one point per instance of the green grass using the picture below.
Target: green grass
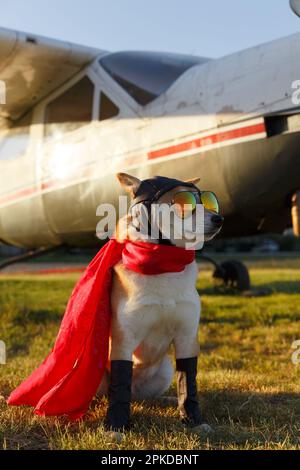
(249, 388)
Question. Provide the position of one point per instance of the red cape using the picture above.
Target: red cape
(67, 380)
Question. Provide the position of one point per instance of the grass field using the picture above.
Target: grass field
(249, 388)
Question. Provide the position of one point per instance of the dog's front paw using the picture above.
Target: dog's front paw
(117, 424)
(190, 414)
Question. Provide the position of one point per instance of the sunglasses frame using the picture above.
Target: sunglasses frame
(197, 194)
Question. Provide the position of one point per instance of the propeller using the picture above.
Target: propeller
(295, 6)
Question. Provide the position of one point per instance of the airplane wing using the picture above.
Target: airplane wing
(33, 66)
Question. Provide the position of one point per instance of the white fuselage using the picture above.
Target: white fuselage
(211, 106)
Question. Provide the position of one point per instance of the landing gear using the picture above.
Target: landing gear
(233, 273)
(296, 213)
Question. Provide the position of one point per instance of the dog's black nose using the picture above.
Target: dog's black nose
(217, 219)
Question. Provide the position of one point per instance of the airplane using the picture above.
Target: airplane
(74, 116)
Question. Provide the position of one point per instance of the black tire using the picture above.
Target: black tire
(234, 274)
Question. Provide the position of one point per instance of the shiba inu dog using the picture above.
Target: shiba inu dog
(154, 311)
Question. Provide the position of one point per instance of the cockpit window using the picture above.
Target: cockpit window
(108, 109)
(70, 110)
(146, 75)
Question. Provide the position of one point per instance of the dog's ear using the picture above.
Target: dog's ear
(128, 182)
(193, 180)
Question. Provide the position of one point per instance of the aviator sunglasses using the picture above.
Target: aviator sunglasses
(185, 202)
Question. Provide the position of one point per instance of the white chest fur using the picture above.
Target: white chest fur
(152, 311)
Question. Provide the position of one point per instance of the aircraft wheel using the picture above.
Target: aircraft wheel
(234, 274)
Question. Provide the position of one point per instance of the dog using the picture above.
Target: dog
(152, 312)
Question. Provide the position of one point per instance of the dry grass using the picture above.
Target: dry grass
(249, 388)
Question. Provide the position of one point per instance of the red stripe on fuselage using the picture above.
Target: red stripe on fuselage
(18, 195)
(208, 140)
(164, 152)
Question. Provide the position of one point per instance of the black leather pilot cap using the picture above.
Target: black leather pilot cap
(152, 189)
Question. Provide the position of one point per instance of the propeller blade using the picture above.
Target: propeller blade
(295, 6)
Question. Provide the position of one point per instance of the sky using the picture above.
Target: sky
(210, 28)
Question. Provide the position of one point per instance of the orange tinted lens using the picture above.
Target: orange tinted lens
(185, 203)
(210, 201)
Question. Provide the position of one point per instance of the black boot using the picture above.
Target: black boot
(119, 396)
(187, 391)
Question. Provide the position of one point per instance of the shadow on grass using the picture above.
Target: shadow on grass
(251, 409)
(244, 406)
(256, 291)
(238, 419)
(20, 439)
(243, 322)
(282, 287)
(241, 418)
(261, 290)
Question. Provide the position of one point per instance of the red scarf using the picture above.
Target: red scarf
(67, 380)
